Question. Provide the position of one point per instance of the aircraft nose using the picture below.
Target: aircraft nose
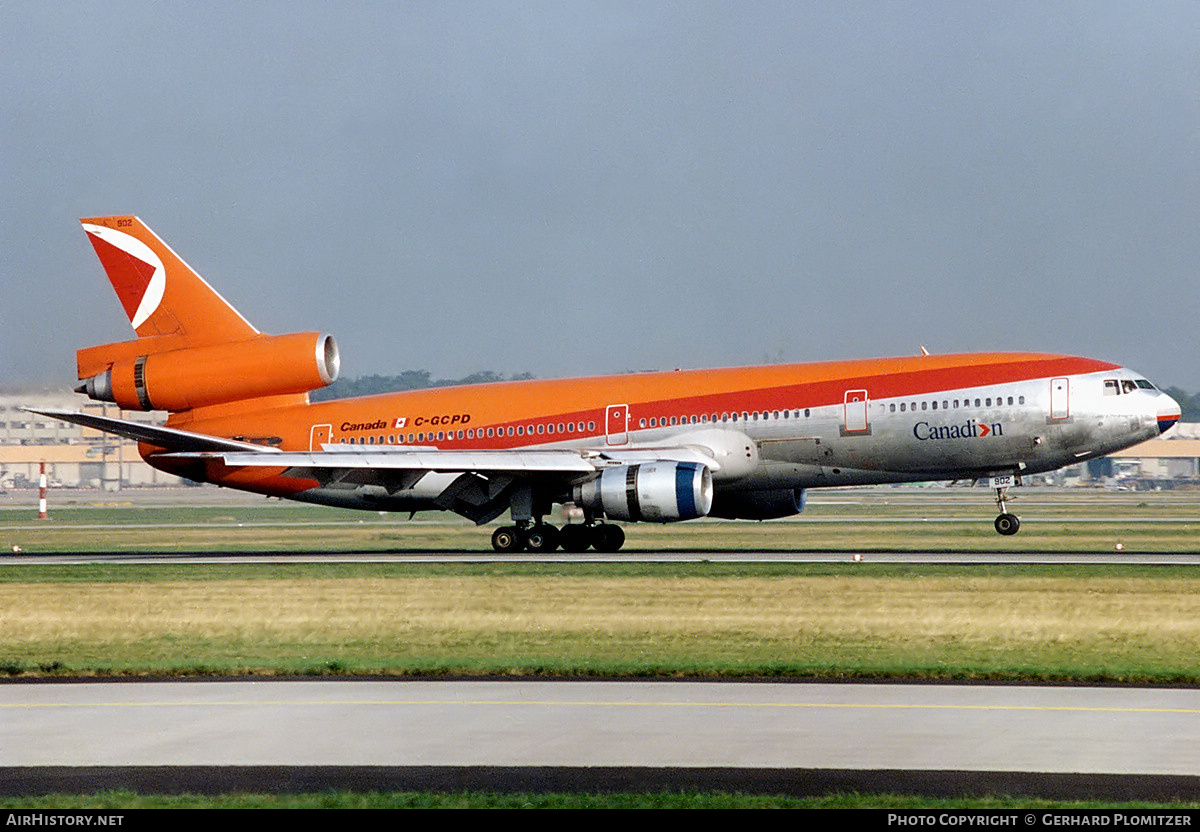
(1168, 413)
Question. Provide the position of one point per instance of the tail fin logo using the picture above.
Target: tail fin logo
(135, 271)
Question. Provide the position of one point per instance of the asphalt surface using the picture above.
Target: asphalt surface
(788, 738)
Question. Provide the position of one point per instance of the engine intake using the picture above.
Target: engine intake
(180, 379)
(657, 492)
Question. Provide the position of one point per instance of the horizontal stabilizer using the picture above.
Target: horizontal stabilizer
(170, 438)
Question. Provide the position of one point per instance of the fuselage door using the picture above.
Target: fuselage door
(855, 407)
(1060, 398)
(318, 436)
(616, 424)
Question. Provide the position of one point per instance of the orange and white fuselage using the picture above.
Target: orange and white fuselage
(739, 442)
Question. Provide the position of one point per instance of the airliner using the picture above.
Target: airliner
(737, 443)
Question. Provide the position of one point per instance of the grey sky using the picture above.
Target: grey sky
(575, 188)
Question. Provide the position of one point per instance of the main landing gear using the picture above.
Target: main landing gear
(543, 537)
(1006, 524)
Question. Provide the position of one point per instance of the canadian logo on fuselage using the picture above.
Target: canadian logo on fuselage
(968, 430)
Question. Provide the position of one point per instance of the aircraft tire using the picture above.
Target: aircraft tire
(1008, 524)
(607, 538)
(574, 538)
(508, 539)
(542, 538)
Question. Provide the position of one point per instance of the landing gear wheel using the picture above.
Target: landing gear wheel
(508, 539)
(607, 538)
(1008, 524)
(542, 538)
(574, 538)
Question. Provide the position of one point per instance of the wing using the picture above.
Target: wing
(477, 484)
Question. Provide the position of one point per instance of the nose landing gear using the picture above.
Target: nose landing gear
(1006, 524)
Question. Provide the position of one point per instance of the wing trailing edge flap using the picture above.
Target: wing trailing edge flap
(477, 498)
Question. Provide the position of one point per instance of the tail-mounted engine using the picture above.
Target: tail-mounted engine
(188, 377)
(657, 492)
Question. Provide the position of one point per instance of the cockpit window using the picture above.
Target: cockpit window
(1111, 387)
(1128, 386)
(1145, 385)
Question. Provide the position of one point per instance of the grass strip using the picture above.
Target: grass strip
(1058, 623)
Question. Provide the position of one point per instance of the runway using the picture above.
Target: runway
(632, 556)
(797, 737)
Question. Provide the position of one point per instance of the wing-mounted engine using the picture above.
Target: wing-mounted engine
(137, 376)
(656, 492)
(758, 505)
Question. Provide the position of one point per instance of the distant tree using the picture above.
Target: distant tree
(345, 388)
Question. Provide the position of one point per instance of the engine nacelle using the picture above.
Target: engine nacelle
(180, 379)
(657, 492)
(758, 505)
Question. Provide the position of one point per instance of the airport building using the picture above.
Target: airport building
(1174, 456)
(78, 457)
(75, 457)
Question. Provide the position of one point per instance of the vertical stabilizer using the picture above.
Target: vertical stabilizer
(161, 294)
